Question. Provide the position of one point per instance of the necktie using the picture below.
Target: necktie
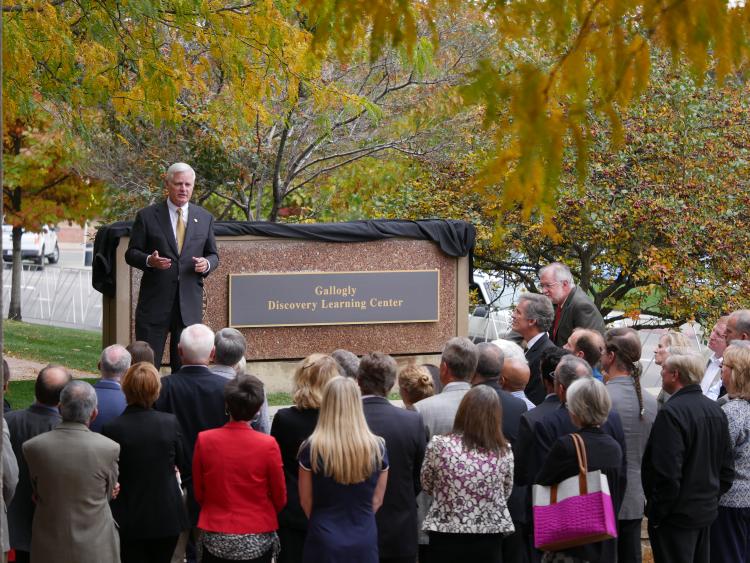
(555, 325)
(180, 230)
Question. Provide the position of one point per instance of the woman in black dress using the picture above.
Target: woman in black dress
(149, 509)
(292, 426)
(588, 404)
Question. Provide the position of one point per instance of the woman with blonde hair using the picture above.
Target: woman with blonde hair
(414, 384)
(729, 532)
(343, 470)
(292, 426)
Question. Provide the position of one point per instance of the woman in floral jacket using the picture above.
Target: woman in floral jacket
(469, 472)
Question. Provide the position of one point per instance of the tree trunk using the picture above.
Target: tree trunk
(14, 311)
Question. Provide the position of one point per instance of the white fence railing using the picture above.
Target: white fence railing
(56, 296)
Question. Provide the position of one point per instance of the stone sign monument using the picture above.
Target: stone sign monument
(399, 287)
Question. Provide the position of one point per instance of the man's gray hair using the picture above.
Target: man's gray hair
(178, 167)
(230, 347)
(77, 402)
(588, 399)
(460, 356)
(114, 361)
(559, 271)
(491, 360)
(539, 308)
(377, 374)
(742, 320)
(196, 343)
(347, 361)
(571, 368)
(511, 349)
(689, 365)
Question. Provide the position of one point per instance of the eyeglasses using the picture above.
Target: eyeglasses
(549, 285)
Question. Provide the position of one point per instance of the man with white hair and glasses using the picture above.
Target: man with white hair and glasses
(573, 308)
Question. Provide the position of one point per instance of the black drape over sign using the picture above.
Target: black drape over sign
(455, 238)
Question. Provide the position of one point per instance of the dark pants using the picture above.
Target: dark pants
(208, 558)
(515, 546)
(671, 544)
(629, 541)
(23, 556)
(155, 333)
(292, 543)
(412, 559)
(155, 550)
(730, 536)
(453, 548)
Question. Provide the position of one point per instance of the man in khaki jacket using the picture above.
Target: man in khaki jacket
(74, 475)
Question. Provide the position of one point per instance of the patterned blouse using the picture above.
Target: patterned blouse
(470, 488)
(738, 416)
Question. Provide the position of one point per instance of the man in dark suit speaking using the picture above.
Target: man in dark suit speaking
(173, 243)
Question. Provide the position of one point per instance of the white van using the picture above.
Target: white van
(34, 246)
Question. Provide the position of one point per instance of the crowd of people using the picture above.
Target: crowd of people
(148, 468)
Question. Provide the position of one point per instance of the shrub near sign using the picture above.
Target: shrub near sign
(323, 298)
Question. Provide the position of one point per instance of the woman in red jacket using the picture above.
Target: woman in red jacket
(239, 482)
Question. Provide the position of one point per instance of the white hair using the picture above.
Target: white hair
(196, 343)
(560, 272)
(114, 361)
(178, 167)
(511, 349)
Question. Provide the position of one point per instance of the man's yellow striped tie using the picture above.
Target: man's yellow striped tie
(180, 230)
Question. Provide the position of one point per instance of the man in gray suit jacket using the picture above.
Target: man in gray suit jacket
(457, 366)
(40, 417)
(573, 308)
(74, 473)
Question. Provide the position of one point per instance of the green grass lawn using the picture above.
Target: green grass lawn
(75, 349)
(20, 394)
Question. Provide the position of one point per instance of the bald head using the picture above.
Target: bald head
(587, 344)
(491, 361)
(49, 382)
(516, 374)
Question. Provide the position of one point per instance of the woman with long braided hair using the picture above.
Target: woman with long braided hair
(621, 363)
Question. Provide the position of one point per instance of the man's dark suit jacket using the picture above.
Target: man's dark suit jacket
(688, 461)
(535, 387)
(405, 441)
(578, 311)
(524, 448)
(512, 407)
(150, 502)
(558, 423)
(24, 425)
(151, 231)
(195, 395)
(110, 402)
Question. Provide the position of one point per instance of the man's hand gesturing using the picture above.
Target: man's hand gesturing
(158, 262)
